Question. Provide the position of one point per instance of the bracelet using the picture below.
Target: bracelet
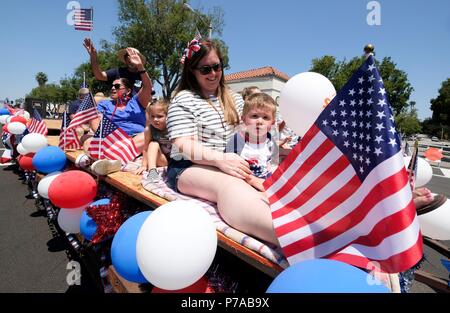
(142, 72)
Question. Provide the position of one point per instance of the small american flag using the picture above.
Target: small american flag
(86, 112)
(68, 138)
(343, 192)
(84, 19)
(412, 166)
(112, 143)
(37, 125)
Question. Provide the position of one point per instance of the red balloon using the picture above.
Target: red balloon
(26, 162)
(19, 119)
(72, 189)
(201, 286)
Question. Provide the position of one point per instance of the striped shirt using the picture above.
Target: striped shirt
(191, 115)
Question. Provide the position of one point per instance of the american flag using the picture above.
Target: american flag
(112, 143)
(412, 166)
(37, 125)
(343, 192)
(84, 19)
(86, 112)
(68, 138)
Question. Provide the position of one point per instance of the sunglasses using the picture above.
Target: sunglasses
(206, 69)
(116, 86)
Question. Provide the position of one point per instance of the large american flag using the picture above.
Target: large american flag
(112, 143)
(343, 192)
(84, 19)
(68, 138)
(37, 125)
(86, 112)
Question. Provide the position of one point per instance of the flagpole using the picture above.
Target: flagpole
(100, 140)
(64, 129)
(412, 164)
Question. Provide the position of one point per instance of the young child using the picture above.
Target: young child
(157, 144)
(254, 143)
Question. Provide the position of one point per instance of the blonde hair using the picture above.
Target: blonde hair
(189, 82)
(260, 100)
(248, 91)
(162, 103)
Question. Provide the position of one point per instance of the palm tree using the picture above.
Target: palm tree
(41, 78)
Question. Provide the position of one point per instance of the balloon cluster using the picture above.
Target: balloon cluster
(171, 247)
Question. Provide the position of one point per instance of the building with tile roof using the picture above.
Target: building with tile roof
(269, 79)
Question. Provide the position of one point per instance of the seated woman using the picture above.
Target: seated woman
(125, 111)
(202, 117)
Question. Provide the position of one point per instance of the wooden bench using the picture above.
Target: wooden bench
(130, 184)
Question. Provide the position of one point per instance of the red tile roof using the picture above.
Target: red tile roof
(258, 72)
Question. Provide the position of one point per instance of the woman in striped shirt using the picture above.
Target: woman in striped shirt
(202, 116)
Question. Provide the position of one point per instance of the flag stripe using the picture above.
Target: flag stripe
(290, 171)
(401, 257)
(361, 219)
(320, 204)
(320, 155)
(291, 158)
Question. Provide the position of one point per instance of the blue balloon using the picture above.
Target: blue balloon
(325, 276)
(87, 225)
(4, 111)
(123, 248)
(49, 159)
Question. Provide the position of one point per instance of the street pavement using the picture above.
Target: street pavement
(33, 256)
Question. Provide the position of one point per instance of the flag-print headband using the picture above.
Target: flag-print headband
(193, 46)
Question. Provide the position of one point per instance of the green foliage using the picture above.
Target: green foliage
(160, 30)
(441, 105)
(395, 81)
(407, 122)
(41, 78)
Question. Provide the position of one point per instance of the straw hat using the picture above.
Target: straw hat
(121, 55)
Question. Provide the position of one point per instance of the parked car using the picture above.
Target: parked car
(434, 138)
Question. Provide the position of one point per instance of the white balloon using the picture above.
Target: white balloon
(3, 119)
(69, 219)
(44, 184)
(176, 245)
(34, 142)
(8, 118)
(21, 149)
(26, 114)
(424, 171)
(303, 98)
(16, 128)
(436, 224)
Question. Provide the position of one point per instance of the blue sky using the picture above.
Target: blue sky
(286, 34)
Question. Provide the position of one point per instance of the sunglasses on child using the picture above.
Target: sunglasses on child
(206, 69)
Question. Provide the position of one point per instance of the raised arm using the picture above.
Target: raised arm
(145, 93)
(98, 73)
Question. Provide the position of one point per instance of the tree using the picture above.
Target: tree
(41, 78)
(395, 81)
(407, 122)
(160, 30)
(441, 105)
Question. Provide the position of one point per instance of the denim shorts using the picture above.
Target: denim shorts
(174, 170)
